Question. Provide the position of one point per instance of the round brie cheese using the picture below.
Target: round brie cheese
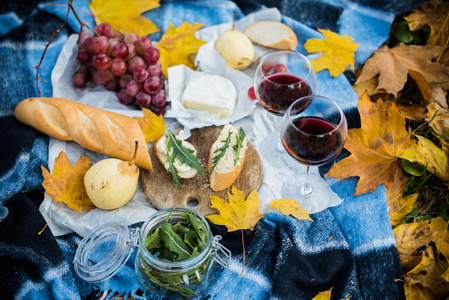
(211, 93)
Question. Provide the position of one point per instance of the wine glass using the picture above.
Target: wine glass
(313, 131)
(281, 78)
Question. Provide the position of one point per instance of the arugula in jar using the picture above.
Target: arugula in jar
(178, 242)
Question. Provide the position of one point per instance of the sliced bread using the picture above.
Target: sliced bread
(161, 150)
(226, 170)
(272, 34)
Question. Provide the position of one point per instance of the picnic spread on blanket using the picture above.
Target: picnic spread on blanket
(198, 149)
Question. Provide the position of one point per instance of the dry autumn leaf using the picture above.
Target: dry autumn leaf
(427, 273)
(338, 52)
(375, 147)
(399, 206)
(152, 126)
(66, 183)
(290, 207)
(236, 213)
(434, 13)
(177, 44)
(426, 153)
(326, 295)
(125, 16)
(409, 238)
(392, 66)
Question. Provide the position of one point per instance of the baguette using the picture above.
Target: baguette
(272, 34)
(93, 128)
(184, 171)
(226, 172)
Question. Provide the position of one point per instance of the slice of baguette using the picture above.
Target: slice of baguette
(93, 128)
(272, 34)
(160, 148)
(225, 173)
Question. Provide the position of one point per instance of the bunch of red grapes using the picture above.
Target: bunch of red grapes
(127, 64)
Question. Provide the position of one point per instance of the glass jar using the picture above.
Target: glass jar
(107, 248)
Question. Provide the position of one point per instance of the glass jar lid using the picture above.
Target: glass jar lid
(104, 251)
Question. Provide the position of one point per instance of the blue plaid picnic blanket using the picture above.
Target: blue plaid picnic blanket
(349, 248)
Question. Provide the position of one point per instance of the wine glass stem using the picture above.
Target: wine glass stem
(306, 188)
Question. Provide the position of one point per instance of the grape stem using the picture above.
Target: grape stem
(70, 8)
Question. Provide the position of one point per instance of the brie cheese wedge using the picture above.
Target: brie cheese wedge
(212, 93)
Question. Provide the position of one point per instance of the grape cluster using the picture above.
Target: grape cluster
(127, 64)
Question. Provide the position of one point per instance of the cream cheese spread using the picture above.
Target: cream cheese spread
(211, 93)
(226, 163)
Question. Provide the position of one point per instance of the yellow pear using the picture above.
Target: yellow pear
(111, 183)
(236, 48)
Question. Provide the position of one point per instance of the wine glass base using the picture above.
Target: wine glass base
(314, 202)
(272, 152)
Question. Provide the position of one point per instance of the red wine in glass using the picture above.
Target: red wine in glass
(279, 90)
(312, 140)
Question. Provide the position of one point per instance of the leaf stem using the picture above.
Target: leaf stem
(243, 244)
(40, 232)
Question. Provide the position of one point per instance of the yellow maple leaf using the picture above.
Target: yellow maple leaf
(152, 126)
(426, 153)
(236, 213)
(441, 240)
(375, 147)
(125, 16)
(399, 206)
(290, 207)
(434, 13)
(338, 52)
(177, 44)
(427, 273)
(409, 238)
(66, 183)
(325, 295)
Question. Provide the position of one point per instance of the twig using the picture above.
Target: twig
(442, 51)
(70, 8)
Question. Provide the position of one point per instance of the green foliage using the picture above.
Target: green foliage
(177, 242)
(220, 152)
(175, 149)
(401, 33)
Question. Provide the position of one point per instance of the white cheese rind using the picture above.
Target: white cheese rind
(211, 93)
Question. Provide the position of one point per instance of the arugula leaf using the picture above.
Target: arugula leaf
(239, 145)
(153, 240)
(222, 151)
(182, 153)
(172, 168)
(174, 241)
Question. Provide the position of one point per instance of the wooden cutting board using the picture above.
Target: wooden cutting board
(163, 192)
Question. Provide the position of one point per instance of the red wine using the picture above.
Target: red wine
(278, 91)
(312, 140)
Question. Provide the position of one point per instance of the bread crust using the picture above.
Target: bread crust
(163, 159)
(289, 43)
(93, 128)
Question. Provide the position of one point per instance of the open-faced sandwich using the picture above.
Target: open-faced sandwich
(178, 157)
(227, 156)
